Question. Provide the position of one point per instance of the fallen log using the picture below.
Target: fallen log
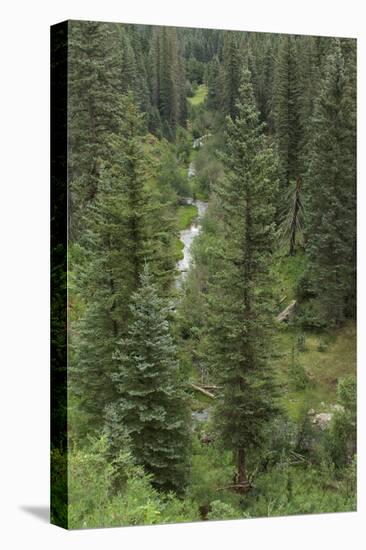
(209, 387)
(287, 313)
(203, 391)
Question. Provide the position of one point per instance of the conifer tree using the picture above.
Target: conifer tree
(286, 111)
(94, 81)
(331, 190)
(213, 83)
(151, 403)
(240, 293)
(123, 227)
(231, 66)
(167, 79)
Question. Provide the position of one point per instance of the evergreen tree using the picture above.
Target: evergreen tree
(94, 93)
(292, 225)
(123, 227)
(231, 66)
(286, 112)
(151, 404)
(213, 83)
(331, 190)
(167, 79)
(240, 293)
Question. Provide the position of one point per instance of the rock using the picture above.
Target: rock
(185, 201)
(191, 170)
(322, 420)
(200, 416)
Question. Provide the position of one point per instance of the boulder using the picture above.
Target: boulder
(322, 420)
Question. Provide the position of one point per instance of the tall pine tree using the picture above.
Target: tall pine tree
(94, 91)
(331, 190)
(286, 112)
(240, 295)
(123, 228)
(230, 77)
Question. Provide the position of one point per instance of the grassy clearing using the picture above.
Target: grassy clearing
(200, 95)
(326, 357)
(185, 215)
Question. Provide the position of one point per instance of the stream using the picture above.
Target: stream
(188, 235)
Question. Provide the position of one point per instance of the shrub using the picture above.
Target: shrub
(221, 510)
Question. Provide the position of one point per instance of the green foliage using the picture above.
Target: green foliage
(330, 191)
(286, 109)
(186, 214)
(297, 376)
(167, 77)
(151, 403)
(120, 232)
(301, 342)
(93, 501)
(212, 471)
(287, 490)
(220, 511)
(124, 212)
(231, 73)
(209, 168)
(171, 177)
(199, 96)
(341, 440)
(240, 298)
(347, 393)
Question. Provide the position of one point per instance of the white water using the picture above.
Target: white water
(188, 235)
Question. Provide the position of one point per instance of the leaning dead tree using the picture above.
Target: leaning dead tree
(295, 216)
(291, 227)
(202, 390)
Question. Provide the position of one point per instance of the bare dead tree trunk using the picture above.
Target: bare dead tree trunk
(242, 472)
(295, 216)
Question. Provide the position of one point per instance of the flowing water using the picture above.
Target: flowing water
(188, 235)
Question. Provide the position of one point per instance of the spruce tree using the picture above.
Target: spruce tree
(231, 66)
(123, 226)
(151, 403)
(331, 190)
(286, 112)
(240, 294)
(213, 84)
(94, 91)
(167, 79)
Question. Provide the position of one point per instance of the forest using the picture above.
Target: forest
(211, 276)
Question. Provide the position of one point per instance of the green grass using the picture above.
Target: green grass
(185, 215)
(200, 95)
(178, 250)
(287, 271)
(323, 368)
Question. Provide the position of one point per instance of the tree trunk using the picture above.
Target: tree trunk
(295, 214)
(242, 472)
